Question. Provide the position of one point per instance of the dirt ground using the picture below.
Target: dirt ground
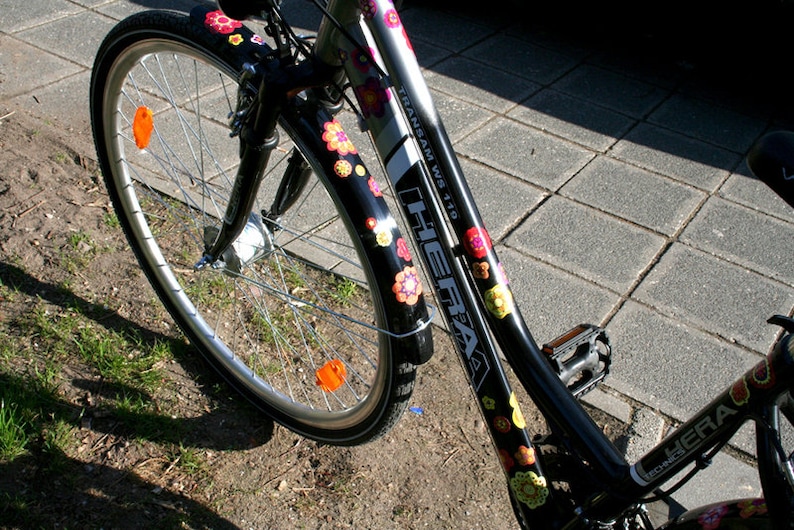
(436, 469)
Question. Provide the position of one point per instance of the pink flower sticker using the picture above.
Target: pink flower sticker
(402, 250)
(374, 187)
(391, 18)
(217, 22)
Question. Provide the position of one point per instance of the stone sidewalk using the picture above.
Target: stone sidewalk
(615, 188)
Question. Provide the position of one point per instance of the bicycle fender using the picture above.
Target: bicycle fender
(229, 37)
(397, 278)
(742, 514)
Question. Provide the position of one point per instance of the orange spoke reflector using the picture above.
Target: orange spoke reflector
(142, 127)
(331, 375)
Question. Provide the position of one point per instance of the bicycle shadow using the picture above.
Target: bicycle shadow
(46, 487)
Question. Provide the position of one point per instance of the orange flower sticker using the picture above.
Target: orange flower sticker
(407, 286)
(480, 270)
(336, 139)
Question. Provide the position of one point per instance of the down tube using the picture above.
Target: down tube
(481, 262)
(398, 146)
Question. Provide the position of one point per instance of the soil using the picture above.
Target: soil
(436, 469)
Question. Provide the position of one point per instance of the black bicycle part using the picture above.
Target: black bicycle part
(771, 159)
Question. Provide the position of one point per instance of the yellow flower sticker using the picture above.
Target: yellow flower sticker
(499, 301)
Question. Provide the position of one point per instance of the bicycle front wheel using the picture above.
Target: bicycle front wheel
(306, 316)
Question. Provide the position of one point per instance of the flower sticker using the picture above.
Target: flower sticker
(480, 270)
(372, 97)
(391, 18)
(739, 393)
(402, 249)
(518, 417)
(507, 460)
(336, 139)
(501, 424)
(477, 242)
(236, 39)
(407, 286)
(256, 39)
(360, 170)
(710, 519)
(529, 488)
(525, 456)
(343, 168)
(763, 376)
(383, 238)
(499, 301)
(488, 402)
(217, 22)
(374, 188)
(361, 59)
(751, 507)
(369, 9)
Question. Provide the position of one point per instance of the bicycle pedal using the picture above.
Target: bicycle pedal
(581, 357)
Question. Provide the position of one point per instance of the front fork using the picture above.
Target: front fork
(255, 122)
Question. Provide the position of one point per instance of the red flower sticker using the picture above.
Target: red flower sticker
(373, 98)
(220, 23)
(507, 460)
(477, 242)
(739, 393)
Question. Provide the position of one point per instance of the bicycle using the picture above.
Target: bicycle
(272, 246)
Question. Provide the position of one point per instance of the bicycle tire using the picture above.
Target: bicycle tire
(321, 290)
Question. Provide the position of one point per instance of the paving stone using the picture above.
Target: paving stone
(708, 122)
(588, 243)
(19, 16)
(551, 300)
(741, 235)
(478, 84)
(716, 296)
(459, 118)
(634, 194)
(668, 365)
(521, 58)
(525, 153)
(573, 119)
(444, 30)
(503, 201)
(76, 37)
(18, 59)
(745, 189)
(696, 163)
(613, 91)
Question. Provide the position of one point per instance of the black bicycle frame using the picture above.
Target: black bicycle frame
(474, 294)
